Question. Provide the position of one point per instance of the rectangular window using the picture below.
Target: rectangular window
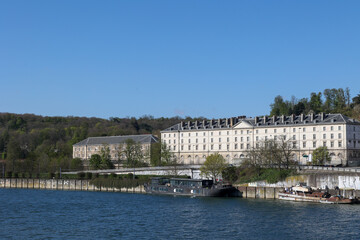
(219, 133)
(247, 146)
(182, 140)
(332, 128)
(339, 135)
(228, 147)
(248, 131)
(257, 131)
(294, 129)
(247, 138)
(212, 147)
(182, 148)
(304, 129)
(219, 146)
(196, 140)
(241, 139)
(332, 144)
(204, 140)
(189, 141)
(204, 147)
(294, 137)
(324, 136)
(314, 136)
(339, 128)
(257, 138)
(235, 139)
(274, 130)
(324, 128)
(227, 133)
(304, 144)
(242, 146)
(174, 148)
(314, 129)
(227, 139)
(275, 138)
(235, 132)
(212, 140)
(294, 144)
(219, 139)
(212, 133)
(332, 136)
(284, 130)
(265, 130)
(314, 144)
(235, 146)
(324, 144)
(189, 147)
(169, 141)
(304, 137)
(196, 147)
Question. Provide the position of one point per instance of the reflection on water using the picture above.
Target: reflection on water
(36, 214)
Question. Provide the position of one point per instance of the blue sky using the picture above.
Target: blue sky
(167, 58)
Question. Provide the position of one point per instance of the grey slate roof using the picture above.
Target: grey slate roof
(146, 138)
(227, 123)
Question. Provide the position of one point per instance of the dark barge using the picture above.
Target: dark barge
(190, 187)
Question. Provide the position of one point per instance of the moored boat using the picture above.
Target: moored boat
(190, 187)
(307, 194)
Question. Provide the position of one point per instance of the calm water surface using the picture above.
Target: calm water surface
(41, 214)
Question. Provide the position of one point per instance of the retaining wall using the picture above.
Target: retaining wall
(62, 184)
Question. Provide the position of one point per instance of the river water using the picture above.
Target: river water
(45, 214)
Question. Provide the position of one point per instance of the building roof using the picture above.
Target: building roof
(228, 123)
(146, 138)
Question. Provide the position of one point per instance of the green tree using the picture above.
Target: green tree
(213, 166)
(106, 157)
(133, 153)
(76, 164)
(321, 156)
(316, 102)
(95, 161)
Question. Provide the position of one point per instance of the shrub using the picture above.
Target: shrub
(8, 174)
(113, 175)
(23, 175)
(15, 175)
(81, 175)
(38, 175)
(51, 175)
(88, 175)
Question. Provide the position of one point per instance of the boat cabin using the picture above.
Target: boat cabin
(182, 182)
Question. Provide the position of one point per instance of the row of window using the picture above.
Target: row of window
(332, 136)
(247, 146)
(275, 130)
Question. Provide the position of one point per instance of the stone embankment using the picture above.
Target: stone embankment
(62, 184)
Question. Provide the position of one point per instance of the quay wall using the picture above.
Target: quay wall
(62, 184)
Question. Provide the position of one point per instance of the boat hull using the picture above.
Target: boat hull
(228, 191)
(304, 198)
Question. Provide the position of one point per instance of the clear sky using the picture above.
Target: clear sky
(167, 58)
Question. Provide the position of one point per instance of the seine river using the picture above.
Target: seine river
(45, 214)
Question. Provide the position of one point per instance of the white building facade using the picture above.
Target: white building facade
(192, 142)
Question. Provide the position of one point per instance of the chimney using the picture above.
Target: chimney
(182, 125)
(301, 117)
(265, 119)
(227, 122)
(274, 119)
(322, 116)
(231, 122)
(203, 123)
(282, 118)
(219, 122)
(189, 124)
(311, 117)
(256, 120)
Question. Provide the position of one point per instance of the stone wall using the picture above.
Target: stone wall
(61, 184)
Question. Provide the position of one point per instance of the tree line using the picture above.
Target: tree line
(38, 144)
(329, 101)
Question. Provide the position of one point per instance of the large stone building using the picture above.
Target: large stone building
(192, 142)
(92, 145)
